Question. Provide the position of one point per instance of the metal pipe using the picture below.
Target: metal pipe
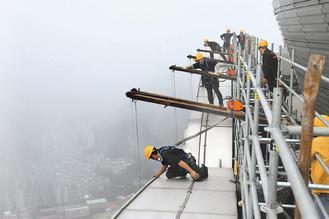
(300, 98)
(292, 71)
(274, 157)
(283, 205)
(320, 204)
(202, 72)
(279, 67)
(251, 162)
(182, 103)
(269, 140)
(326, 79)
(310, 185)
(317, 131)
(261, 166)
(253, 209)
(302, 196)
(322, 163)
(261, 95)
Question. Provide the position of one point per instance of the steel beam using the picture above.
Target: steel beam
(317, 131)
(202, 72)
(184, 104)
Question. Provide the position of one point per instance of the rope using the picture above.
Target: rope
(199, 149)
(191, 82)
(173, 88)
(199, 133)
(138, 147)
(205, 141)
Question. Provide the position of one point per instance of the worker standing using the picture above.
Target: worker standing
(210, 83)
(241, 40)
(214, 47)
(269, 64)
(226, 37)
(320, 146)
(180, 163)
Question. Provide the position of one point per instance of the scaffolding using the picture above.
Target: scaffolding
(267, 136)
(278, 144)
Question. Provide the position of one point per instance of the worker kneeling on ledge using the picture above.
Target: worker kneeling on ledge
(180, 163)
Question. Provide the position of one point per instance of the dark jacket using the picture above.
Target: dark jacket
(242, 40)
(172, 155)
(270, 67)
(214, 46)
(226, 37)
(207, 65)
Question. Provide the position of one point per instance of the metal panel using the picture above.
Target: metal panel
(136, 214)
(216, 184)
(206, 216)
(153, 199)
(165, 183)
(311, 10)
(315, 27)
(314, 19)
(217, 202)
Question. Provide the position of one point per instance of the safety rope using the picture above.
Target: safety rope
(138, 147)
(205, 141)
(187, 197)
(200, 132)
(191, 82)
(173, 89)
(199, 147)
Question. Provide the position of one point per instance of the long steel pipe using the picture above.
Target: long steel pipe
(317, 131)
(302, 67)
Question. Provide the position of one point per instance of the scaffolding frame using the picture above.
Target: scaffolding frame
(248, 142)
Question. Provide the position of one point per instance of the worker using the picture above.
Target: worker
(269, 65)
(320, 146)
(214, 47)
(226, 37)
(180, 163)
(241, 40)
(210, 83)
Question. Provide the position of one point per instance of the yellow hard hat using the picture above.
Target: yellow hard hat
(241, 31)
(262, 43)
(205, 40)
(198, 56)
(148, 151)
(319, 123)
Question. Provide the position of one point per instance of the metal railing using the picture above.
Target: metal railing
(248, 140)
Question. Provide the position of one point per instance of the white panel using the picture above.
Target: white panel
(159, 200)
(214, 202)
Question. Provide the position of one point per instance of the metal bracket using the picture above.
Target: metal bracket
(278, 209)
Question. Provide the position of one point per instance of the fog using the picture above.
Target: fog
(65, 65)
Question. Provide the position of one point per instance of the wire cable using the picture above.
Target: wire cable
(173, 89)
(138, 147)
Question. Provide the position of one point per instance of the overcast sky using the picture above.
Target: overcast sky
(73, 60)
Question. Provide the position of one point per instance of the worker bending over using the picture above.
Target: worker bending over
(226, 37)
(180, 163)
(214, 47)
(269, 64)
(210, 83)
